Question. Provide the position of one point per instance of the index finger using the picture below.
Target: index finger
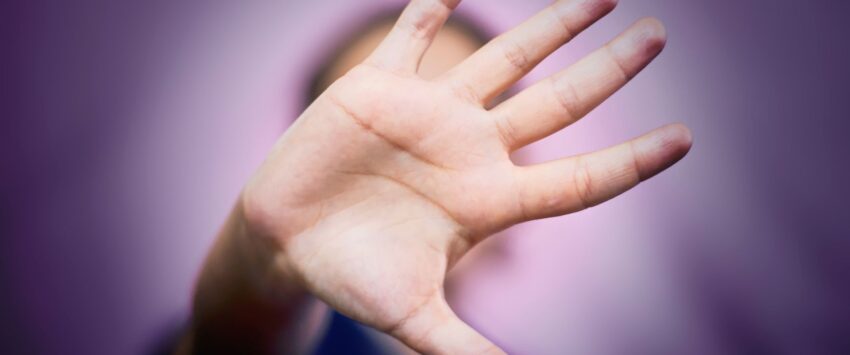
(505, 59)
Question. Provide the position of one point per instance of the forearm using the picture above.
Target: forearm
(245, 303)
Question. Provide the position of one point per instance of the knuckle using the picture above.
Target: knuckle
(515, 54)
(584, 184)
(465, 91)
(567, 30)
(507, 131)
(427, 17)
(568, 98)
(618, 65)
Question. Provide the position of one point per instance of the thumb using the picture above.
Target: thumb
(435, 329)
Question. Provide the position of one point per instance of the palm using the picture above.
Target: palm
(404, 200)
(387, 179)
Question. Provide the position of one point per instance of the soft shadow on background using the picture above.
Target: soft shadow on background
(130, 127)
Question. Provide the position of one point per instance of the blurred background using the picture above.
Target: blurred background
(129, 127)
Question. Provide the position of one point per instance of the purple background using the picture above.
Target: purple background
(129, 128)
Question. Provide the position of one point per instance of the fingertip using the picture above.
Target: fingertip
(598, 8)
(654, 26)
(652, 34)
(679, 139)
(451, 4)
(661, 148)
(636, 47)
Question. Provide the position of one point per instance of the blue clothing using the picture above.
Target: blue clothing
(343, 336)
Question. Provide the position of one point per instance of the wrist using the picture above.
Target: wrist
(245, 298)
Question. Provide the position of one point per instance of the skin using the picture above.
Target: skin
(388, 179)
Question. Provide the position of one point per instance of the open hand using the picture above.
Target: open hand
(387, 179)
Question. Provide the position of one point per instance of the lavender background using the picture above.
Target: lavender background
(130, 126)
